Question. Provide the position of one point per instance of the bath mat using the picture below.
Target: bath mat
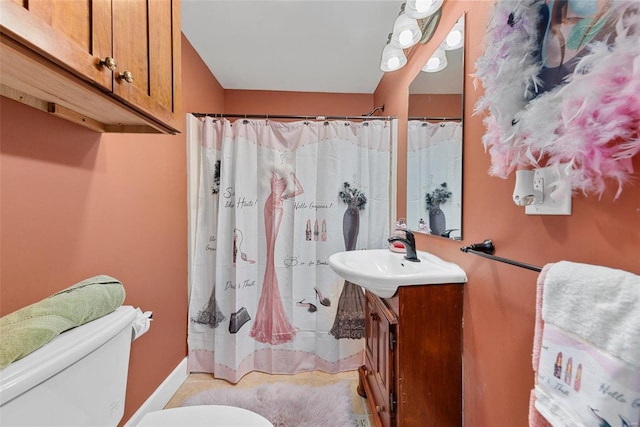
(287, 405)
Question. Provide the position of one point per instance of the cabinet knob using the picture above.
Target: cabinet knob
(127, 76)
(379, 408)
(109, 63)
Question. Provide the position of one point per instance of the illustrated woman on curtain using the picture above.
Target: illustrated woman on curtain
(271, 324)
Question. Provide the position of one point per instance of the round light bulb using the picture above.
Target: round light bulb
(454, 38)
(393, 58)
(406, 32)
(420, 9)
(433, 63)
(405, 37)
(437, 62)
(423, 5)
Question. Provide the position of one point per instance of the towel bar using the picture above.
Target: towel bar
(486, 250)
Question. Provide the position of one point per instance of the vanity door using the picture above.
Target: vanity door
(381, 332)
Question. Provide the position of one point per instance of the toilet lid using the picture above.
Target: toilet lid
(204, 415)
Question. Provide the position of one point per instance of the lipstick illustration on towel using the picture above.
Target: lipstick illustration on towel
(557, 368)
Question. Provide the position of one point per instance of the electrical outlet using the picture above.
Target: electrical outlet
(538, 188)
(545, 181)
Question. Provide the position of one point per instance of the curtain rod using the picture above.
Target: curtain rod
(442, 119)
(279, 116)
(486, 250)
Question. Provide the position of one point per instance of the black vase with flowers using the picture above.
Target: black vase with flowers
(437, 219)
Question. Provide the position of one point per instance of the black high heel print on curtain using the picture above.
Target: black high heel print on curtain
(210, 315)
(323, 300)
(349, 320)
(237, 247)
(311, 308)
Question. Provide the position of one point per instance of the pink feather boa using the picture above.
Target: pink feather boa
(591, 122)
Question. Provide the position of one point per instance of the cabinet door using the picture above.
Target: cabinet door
(75, 34)
(144, 47)
(381, 331)
(96, 42)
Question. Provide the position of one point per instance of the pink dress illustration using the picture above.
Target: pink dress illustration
(271, 324)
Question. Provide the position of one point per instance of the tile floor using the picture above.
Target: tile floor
(196, 383)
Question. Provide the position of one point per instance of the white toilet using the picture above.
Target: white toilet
(80, 379)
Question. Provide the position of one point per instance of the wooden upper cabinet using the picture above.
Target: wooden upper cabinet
(113, 65)
(74, 34)
(142, 46)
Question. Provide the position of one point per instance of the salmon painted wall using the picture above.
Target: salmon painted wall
(499, 302)
(435, 105)
(76, 203)
(296, 103)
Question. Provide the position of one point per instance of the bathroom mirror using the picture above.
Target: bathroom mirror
(434, 141)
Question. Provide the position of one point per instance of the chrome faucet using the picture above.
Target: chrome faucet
(409, 243)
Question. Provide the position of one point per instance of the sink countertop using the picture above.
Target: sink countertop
(382, 271)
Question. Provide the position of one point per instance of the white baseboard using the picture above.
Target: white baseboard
(161, 396)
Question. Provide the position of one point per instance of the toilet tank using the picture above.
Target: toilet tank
(77, 379)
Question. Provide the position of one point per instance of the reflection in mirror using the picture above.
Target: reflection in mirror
(434, 142)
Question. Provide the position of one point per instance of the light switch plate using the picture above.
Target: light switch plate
(544, 183)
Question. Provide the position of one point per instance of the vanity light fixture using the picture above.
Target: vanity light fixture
(406, 32)
(393, 58)
(416, 23)
(455, 38)
(420, 9)
(437, 62)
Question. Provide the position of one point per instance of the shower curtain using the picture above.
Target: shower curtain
(275, 200)
(434, 157)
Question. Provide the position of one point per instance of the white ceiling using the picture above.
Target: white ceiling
(291, 45)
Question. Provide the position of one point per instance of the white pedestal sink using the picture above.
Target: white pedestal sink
(382, 271)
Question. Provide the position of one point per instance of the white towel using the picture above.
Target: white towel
(588, 372)
(599, 304)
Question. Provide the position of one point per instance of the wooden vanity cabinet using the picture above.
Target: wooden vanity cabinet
(413, 357)
(110, 65)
